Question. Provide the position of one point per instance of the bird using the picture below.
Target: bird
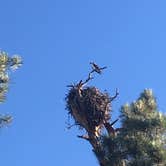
(96, 68)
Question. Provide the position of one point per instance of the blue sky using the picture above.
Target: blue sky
(57, 40)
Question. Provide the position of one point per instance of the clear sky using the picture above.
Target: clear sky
(57, 39)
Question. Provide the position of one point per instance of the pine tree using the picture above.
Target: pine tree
(141, 139)
(7, 64)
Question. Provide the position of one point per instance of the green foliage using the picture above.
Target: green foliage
(142, 138)
(6, 65)
(113, 151)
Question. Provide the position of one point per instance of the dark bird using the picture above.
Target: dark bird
(96, 68)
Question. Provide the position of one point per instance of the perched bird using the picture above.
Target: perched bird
(96, 68)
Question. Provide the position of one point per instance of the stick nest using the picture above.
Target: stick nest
(89, 107)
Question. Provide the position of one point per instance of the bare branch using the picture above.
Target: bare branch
(88, 79)
(70, 126)
(115, 96)
(86, 137)
(70, 86)
(114, 122)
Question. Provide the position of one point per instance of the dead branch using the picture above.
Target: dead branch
(70, 86)
(86, 137)
(114, 122)
(88, 79)
(69, 127)
(81, 83)
(115, 96)
(109, 127)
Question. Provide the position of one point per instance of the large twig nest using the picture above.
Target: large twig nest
(89, 107)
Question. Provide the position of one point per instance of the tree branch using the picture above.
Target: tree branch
(114, 122)
(115, 96)
(86, 137)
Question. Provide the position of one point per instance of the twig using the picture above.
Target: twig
(114, 122)
(70, 86)
(115, 96)
(88, 79)
(69, 127)
(86, 137)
